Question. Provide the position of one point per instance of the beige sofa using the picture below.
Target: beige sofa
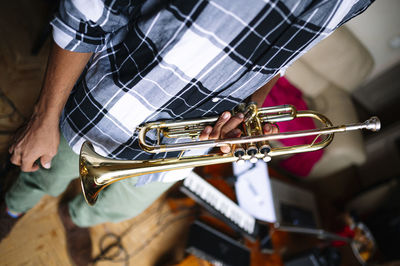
(327, 75)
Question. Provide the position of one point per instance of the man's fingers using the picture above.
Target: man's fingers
(270, 129)
(11, 149)
(224, 124)
(28, 165)
(235, 133)
(27, 162)
(225, 149)
(206, 133)
(216, 130)
(31, 167)
(230, 125)
(16, 159)
(226, 127)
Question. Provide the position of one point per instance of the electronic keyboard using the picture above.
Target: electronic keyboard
(219, 205)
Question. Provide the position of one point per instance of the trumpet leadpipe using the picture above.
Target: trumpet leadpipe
(372, 124)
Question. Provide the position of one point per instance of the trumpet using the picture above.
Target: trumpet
(98, 172)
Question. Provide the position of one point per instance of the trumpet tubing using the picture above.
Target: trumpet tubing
(97, 172)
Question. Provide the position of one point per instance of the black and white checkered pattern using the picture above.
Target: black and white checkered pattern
(179, 59)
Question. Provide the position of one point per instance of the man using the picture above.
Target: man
(118, 64)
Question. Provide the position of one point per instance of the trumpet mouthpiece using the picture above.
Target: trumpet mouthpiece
(373, 124)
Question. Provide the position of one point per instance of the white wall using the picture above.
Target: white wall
(376, 27)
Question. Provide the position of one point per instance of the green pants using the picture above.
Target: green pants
(119, 201)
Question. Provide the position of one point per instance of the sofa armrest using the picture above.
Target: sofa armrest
(341, 59)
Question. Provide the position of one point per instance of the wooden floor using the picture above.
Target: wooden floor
(153, 238)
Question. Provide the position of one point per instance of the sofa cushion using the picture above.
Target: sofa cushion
(346, 148)
(341, 59)
(304, 77)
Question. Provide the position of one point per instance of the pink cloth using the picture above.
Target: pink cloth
(283, 92)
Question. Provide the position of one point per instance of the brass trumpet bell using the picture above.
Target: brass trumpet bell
(97, 172)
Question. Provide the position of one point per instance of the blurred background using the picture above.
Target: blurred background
(350, 76)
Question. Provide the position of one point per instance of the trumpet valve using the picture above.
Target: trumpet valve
(240, 161)
(253, 159)
(239, 153)
(252, 151)
(266, 158)
(265, 149)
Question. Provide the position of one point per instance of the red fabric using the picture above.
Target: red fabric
(345, 232)
(283, 92)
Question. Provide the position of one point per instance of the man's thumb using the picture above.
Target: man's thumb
(45, 161)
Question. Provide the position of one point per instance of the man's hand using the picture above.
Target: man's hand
(227, 127)
(38, 139)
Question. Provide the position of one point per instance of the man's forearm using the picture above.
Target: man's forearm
(260, 95)
(39, 138)
(63, 70)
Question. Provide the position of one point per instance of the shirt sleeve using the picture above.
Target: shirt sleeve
(89, 25)
(356, 9)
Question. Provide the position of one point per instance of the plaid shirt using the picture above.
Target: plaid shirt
(179, 59)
